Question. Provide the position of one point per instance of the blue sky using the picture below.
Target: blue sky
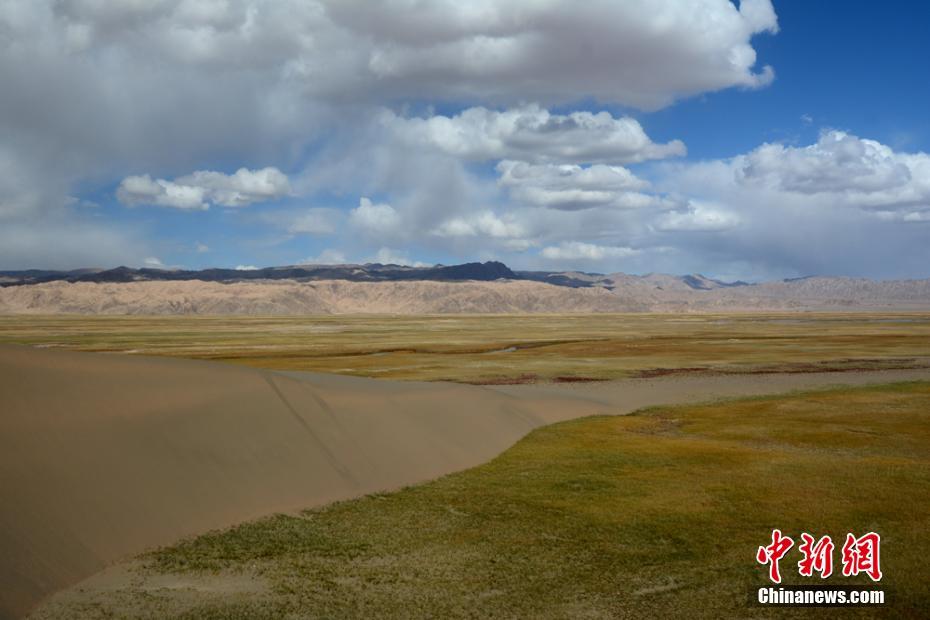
(613, 136)
(856, 67)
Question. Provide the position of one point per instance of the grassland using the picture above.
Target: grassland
(506, 348)
(656, 514)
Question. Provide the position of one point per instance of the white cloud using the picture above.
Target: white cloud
(169, 87)
(241, 188)
(374, 218)
(577, 250)
(204, 187)
(840, 169)
(326, 257)
(153, 262)
(201, 248)
(572, 188)
(143, 190)
(485, 223)
(698, 217)
(842, 205)
(246, 268)
(532, 133)
(163, 87)
(643, 53)
(838, 162)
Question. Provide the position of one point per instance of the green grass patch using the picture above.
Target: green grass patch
(650, 515)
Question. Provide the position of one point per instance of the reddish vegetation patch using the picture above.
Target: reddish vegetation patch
(844, 365)
(662, 372)
(518, 380)
(527, 378)
(571, 379)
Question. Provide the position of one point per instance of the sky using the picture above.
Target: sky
(746, 140)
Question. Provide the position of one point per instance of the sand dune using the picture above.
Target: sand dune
(103, 456)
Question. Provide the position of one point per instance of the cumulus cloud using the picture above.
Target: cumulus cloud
(374, 218)
(169, 87)
(143, 190)
(86, 101)
(531, 133)
(641, 54)
(838, 162)
(577, 250)
(483, 223)
(241, 188)
(572, 187)
(840, 169)
(842, 205)
(698, 216)
(203, 188)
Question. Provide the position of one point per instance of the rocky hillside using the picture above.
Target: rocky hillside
(371, 272)
(319, 297)
(611, 293)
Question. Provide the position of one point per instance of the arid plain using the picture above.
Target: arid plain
(111, 450)
(503, 348)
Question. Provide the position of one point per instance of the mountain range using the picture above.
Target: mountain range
(490, 287)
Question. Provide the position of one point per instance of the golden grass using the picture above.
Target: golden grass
(479, 349)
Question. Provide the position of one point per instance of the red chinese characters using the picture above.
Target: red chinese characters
(861, 555)
(817, 556)
(773, 553)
